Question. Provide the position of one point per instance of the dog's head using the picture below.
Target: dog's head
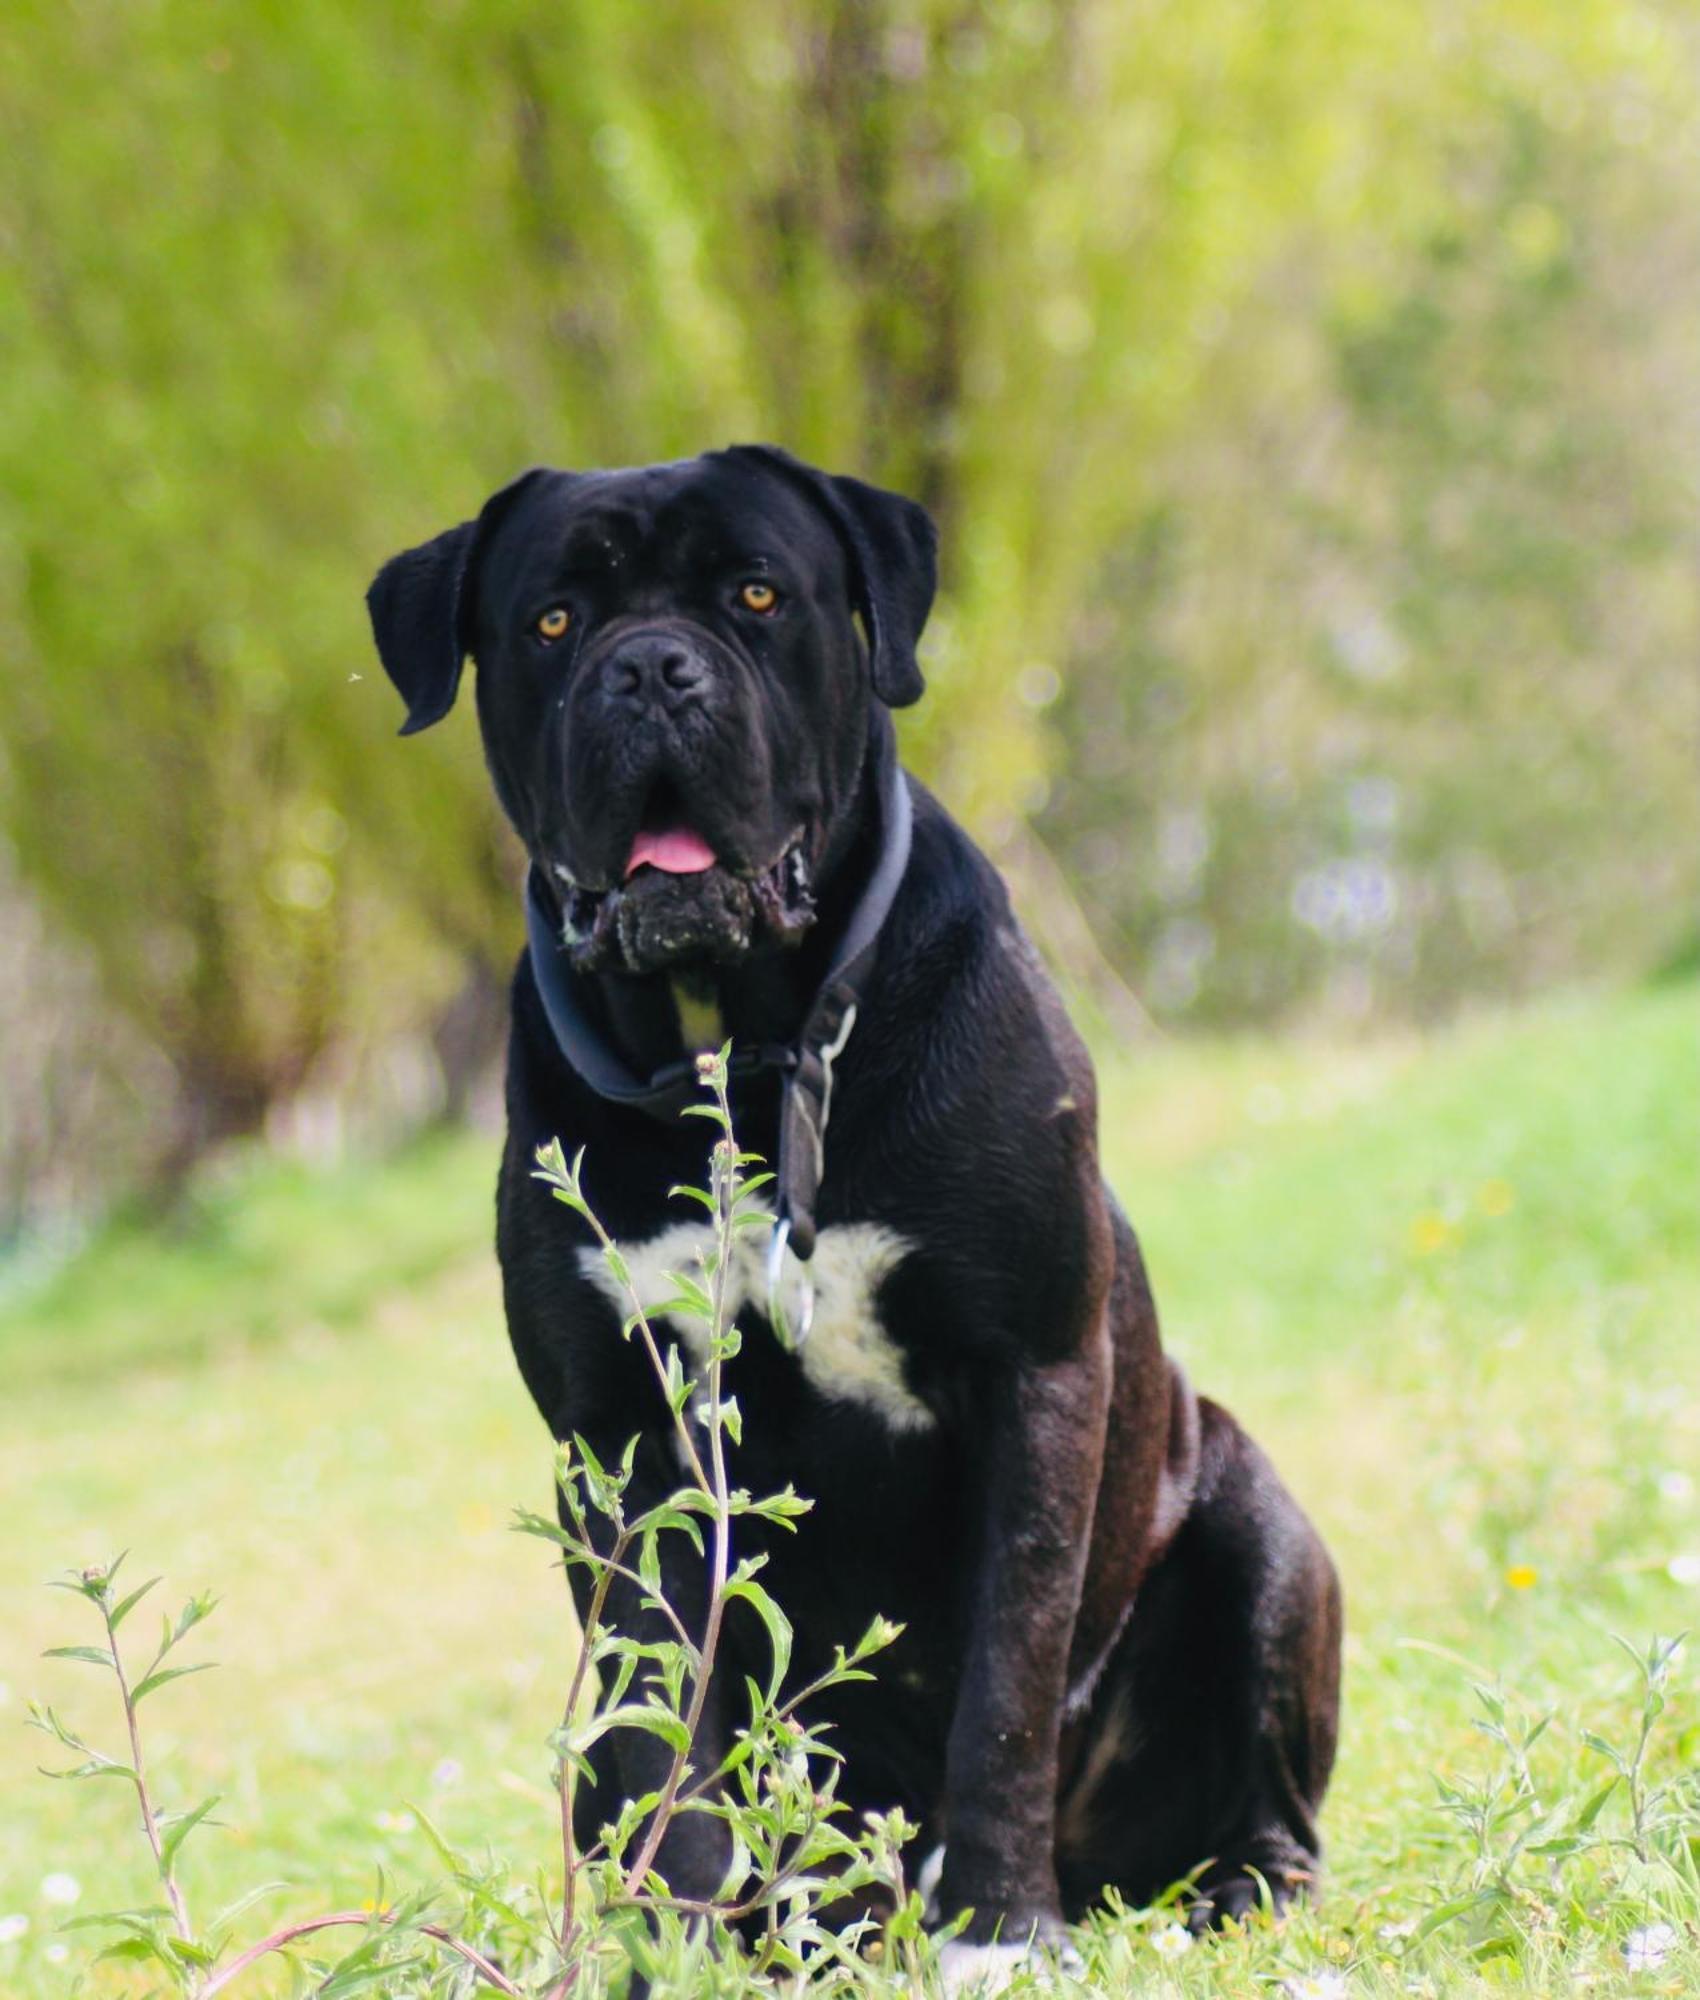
(674, 694)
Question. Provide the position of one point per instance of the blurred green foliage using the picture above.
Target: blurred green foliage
(1305, 392)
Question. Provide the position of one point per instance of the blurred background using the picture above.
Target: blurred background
(1309, 395)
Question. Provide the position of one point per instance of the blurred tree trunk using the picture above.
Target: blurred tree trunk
(468, 1038)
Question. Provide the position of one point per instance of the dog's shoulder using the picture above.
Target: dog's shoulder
(969, 1115)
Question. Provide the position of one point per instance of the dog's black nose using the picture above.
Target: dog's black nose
(656, 667)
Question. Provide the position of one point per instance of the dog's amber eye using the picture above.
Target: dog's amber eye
(758, 597)
(554, 622)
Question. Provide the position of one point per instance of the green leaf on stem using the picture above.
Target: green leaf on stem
(741, 1584)
(94, 1656)
(122, 1610)
(161, 1675)
(175, 1828)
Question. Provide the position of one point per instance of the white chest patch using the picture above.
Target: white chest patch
(847, 1355)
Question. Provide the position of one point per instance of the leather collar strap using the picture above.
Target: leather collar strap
(805, 1065)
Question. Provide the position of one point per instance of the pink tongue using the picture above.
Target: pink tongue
(677, 851)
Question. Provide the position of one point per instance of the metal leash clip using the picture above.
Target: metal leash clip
(778, 1318)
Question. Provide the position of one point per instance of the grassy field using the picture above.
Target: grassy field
(1452, 1283)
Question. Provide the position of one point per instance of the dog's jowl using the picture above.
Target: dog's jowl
(1121, 1648)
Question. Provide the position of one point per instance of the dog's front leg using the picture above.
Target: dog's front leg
(695, 1847)
(1040, 1464)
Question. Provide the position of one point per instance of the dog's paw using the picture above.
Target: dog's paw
(985, 1969)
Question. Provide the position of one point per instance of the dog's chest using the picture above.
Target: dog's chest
(848, 1354)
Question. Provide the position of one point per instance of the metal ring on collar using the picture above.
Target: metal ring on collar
(778, 1318)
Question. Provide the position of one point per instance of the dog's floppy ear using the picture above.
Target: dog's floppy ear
(893, 547)
(421, 610)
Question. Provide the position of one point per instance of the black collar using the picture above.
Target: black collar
(805, 1064)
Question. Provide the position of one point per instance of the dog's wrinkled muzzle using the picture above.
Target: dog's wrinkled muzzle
(673, 907)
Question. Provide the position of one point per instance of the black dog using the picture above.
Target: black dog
(1121, 1653)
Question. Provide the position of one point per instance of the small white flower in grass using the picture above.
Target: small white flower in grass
(1316, 1986)
(448, 1772)
(56, 1953)
(13, 1926)
(1172, 1940)
(393, 1822)
(1684, 1568)
(1647, 1949)
(1676, 1486)
(60, 1888)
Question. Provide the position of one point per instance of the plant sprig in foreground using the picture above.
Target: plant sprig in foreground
(792, 1850)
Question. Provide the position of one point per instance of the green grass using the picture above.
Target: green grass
(1453, 1285)
(260, 1249)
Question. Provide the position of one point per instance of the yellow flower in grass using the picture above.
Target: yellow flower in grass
(1522, 1576)
(1496, 1197)
(1431, 1232)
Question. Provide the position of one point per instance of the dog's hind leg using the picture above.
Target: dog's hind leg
(1211, 1734)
